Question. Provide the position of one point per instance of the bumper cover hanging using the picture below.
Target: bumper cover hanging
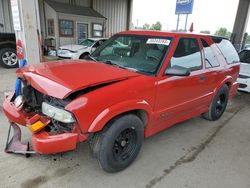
(14, 144)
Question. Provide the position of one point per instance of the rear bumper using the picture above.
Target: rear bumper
(42, 142)
(244, 84)
(233, 90)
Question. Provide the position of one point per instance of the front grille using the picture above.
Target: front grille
(243, 76)
(242, 86)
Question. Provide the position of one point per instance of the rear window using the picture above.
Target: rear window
(227, 50)
(210, 58)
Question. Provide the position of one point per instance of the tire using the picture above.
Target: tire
(84, 56)
(117, 146)
(8, 58)
(218, 105)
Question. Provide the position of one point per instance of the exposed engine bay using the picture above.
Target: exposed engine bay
(33, 100)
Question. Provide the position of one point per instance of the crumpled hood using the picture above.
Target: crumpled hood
(72, 47)
(245, 68)
(61, 78)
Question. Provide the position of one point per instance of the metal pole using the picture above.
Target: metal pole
(178, 20)
(244, 41)
(186, 23)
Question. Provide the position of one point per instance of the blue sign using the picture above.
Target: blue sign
(184, 6)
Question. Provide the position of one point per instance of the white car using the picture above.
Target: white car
(244, 76)
(80, 51)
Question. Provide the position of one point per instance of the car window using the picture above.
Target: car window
(98, 43)
(210, 58)
(87, 42)
(187, 54)
(135, 52)
(227, 49)
(245, 56)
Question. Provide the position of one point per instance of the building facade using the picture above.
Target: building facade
(70, 21)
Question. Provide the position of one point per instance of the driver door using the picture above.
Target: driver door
(179, 96)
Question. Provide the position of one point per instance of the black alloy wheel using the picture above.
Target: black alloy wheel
(218, 105)
(125, 145)
(119, 143)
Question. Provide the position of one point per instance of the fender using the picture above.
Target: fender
(8, 42)
(107, 114)
(228, 79)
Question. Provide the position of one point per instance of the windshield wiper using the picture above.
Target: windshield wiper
(112, 63)
(131, 69)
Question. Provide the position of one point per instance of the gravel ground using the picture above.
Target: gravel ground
(195, 153)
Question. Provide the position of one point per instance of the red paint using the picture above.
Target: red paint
(166, 100)
(44, 143)
(19, 49)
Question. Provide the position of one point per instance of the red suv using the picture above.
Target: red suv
(135, 85)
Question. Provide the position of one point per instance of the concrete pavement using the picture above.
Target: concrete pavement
(195, 153)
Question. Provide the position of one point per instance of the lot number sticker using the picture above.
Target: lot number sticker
(165, 42)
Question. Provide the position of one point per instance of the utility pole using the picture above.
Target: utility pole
(178, 21)
(186, 22)
(26, 22)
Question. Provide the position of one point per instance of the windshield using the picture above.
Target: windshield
(134, 52)
(87, 42)
(245, 56)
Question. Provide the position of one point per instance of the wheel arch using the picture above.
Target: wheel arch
(142, 111)
(8, 45)
(84, 53)
(227, 81)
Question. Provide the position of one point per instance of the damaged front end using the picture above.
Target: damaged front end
(53, 128)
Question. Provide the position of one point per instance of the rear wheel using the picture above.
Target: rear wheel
(218, 105)
(117, 146)
(8, 58)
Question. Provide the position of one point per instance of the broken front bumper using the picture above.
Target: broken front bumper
(42, 141)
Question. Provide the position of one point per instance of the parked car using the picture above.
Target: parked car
(80, 51)
(244, 76)
(247, 46)
(8, 57)
(147, 83)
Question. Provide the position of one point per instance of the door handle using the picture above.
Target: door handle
(202, 77)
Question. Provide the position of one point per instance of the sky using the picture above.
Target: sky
(207, 14)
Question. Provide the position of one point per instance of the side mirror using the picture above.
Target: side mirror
(177, 71)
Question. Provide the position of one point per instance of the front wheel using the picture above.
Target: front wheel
(118, 146)
(84, 56)
(218, 105)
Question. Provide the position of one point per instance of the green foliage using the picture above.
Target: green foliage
(248, 39)
(223, 32)
(156, 26)
(146, 26)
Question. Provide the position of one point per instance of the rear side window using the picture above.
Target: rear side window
(187, 54)
(227, 50)
(210, 58)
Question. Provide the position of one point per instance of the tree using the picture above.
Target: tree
(156, 26)
(205, 32)
(146, 26)
(248, 39)
(223, 32)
